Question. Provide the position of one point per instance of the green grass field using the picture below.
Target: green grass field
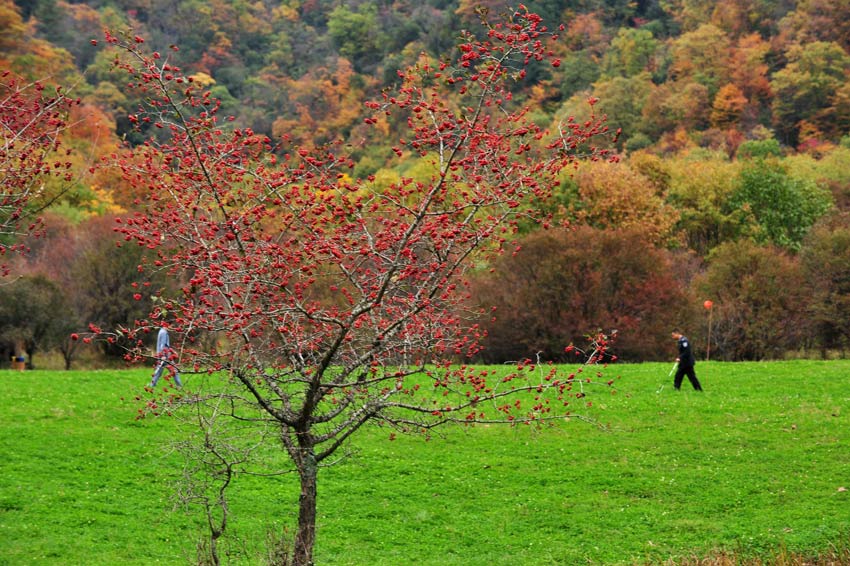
(758, 463)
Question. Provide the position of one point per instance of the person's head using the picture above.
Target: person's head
(676, 334)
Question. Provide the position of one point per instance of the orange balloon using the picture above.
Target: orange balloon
(708, 304)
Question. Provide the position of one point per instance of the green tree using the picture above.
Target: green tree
(356, 34)
(828, 170)
(70, 26)
(784, 207)
(805, 89)
(702, 56)
(578, 73)
(189, 23)
(587, 39)
(699, 191)
(631, 53)
(759, 149)
(35, 315)
(620, 99)
(653, 168)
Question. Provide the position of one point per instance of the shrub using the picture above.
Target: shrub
(825, 259)
(759, 301)
(563, 283)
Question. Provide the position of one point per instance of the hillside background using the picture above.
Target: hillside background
(733, 185)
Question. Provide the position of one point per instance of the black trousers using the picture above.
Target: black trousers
(692, 376)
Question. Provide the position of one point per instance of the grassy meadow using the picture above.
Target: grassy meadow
(757, 464)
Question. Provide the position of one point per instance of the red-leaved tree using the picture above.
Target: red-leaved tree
(32, 118)
(313, 304)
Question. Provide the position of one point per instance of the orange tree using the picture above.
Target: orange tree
(331, 303)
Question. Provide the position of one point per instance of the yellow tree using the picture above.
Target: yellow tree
(702, 56)
(615, 196)
(12, 27)
(699, 190)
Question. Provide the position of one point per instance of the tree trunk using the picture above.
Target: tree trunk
(305, 538)
(30, 353)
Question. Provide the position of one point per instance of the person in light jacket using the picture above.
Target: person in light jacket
(164, 354)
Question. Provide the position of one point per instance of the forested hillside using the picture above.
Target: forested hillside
(733, 183)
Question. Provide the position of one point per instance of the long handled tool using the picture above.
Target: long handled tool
(669, 375)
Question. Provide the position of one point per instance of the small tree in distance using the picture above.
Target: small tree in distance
(335, 304)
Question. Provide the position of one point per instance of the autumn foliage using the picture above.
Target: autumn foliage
(562, 282)
(32, 119)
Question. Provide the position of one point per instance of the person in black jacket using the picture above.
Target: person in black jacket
(686, 362)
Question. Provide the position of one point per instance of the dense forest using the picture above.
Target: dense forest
(728, 212)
